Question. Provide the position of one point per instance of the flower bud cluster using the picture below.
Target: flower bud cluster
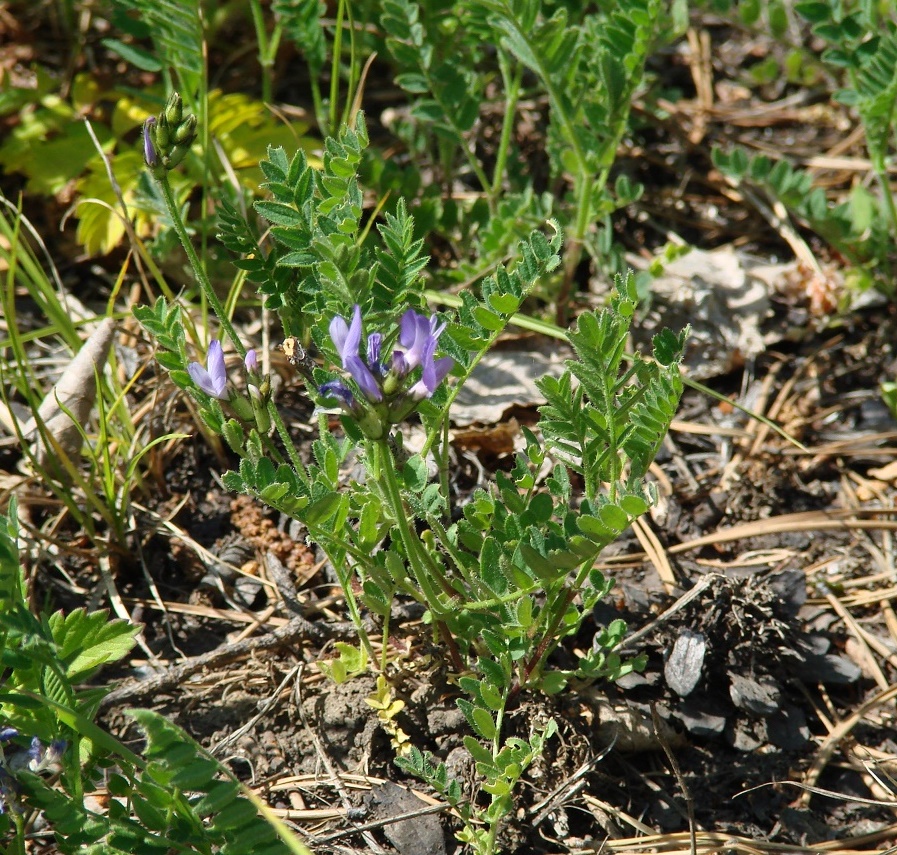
(167, 137)
(384, 393)
(212, 379)
(36, 758)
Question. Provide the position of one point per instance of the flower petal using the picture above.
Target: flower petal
(339, 332)
(214, 380)
(366, 381)
(375, 341)
(216, 367)
(149, 150)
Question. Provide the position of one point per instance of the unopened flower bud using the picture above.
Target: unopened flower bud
(243, 408)
(162, 135)
(174, 110)
(185, 132)
(177, 155)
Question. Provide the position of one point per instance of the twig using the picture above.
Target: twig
(298, 627)
(381, 823)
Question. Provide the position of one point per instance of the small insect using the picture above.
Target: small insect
(298, 357)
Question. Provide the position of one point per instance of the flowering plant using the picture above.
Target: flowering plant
(503, 578)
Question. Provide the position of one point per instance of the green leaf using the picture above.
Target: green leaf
(553, 682)
(480, 719)
(323, 509)
(280, 214)
(415, 473)
(488, 319)
(376, 599)
(477, 751)
(133, 55)
(88, 641)
(491, 698)
(491, 559)
(614, 517)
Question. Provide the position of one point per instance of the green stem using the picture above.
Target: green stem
(345, 581)
(198, 270)
(384, 472)
(333, 121)
(19, 822)
(512, 89)
(287, 440)
(267, 48)
(888, 197)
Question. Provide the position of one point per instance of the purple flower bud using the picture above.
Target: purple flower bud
(337, 390)
(149, 151)
(251, 361)
(375, 340)
(213, 380)
(399, 366)
(35, 752)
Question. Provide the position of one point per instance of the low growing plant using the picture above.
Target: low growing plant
(509, 574)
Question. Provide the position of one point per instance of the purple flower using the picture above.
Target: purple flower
(251, 361)
(347, 340)
(384, 384)
(213, 380)
(418, 335)
(434, 373)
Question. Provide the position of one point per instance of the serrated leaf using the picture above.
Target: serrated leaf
(87, 642)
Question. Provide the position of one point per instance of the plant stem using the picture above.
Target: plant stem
(198, 269)
(345, 581)
(333, 120)
(19, 822)
(287, 440)
(423, 567)
(385, 474)
(267, 48)
(512, 94)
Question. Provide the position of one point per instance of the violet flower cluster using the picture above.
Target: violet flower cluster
(37, 758)
(383, 383)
